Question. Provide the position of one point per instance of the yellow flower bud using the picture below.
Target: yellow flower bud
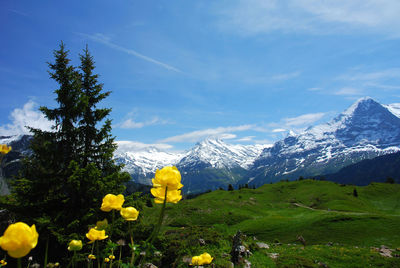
(106, 260)
(75, 245)
(111, 257)
(19, 239)
(111, 202)
(101, 225)
(91, 257)
(94, 235)
(129, 213)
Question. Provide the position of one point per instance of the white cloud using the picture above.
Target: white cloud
(277, 130)
(286, 76)
(134, 146)
(220, 132)
(247, 138)
(371, 76)
(303, 120)
(27, 116)
(311, 16)
(130, 123)
(314, 89)
(348, 91)
(105, 40)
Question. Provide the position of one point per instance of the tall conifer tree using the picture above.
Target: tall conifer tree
(63, 181)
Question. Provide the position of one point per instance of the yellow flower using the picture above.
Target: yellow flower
(19, 239)
(196, 260)
(168, 177)
(3, 263)
(101, 225)
(4, 149)
(111, 202)
(111, 257)
(129, 213)
(206, 258)
(94, 235)
(75, 245)
(91, 257)
(173, 196)
(106, 260)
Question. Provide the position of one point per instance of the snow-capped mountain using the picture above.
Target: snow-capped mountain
(210, 154)
(365, 130)
(214, 153)
(142, 164)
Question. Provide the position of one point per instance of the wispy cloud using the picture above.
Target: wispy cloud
(246, 139)
(130, 123)
(349, 91)
(371, 76)
(18, 12)
(278, 130)
(27, 116)
(357, 82)
(220, 132)
(303, 120)
(311, 16)
(105, 40)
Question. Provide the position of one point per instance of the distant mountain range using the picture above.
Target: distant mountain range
(364, 131)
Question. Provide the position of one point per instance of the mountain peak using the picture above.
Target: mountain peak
(364, 103)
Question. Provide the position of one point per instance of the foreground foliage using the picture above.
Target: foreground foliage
(70, 168)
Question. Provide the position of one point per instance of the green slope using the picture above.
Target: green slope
(320, 211)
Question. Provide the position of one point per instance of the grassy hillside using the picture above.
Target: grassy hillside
(322, 212)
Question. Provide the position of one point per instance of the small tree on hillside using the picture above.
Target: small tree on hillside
(355, 194)
(230, 187)
(63, 181)
(390, 180)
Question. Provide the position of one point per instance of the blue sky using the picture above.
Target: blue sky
(247, 71)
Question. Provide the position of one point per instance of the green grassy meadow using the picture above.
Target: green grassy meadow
(320, 211)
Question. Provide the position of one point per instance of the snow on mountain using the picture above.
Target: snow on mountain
(146, 161)
(217, 154)
(394, 108)
(365, 130)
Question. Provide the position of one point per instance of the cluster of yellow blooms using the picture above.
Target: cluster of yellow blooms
(204, 258)
(167, 179)
(19, 239)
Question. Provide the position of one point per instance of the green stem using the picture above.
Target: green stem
(90, 263)
(72, 262)
(46, 252)
(156, 229)
(97, 253)
(132, 249)
(19, 263)
(120, 254)
(111, 261)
